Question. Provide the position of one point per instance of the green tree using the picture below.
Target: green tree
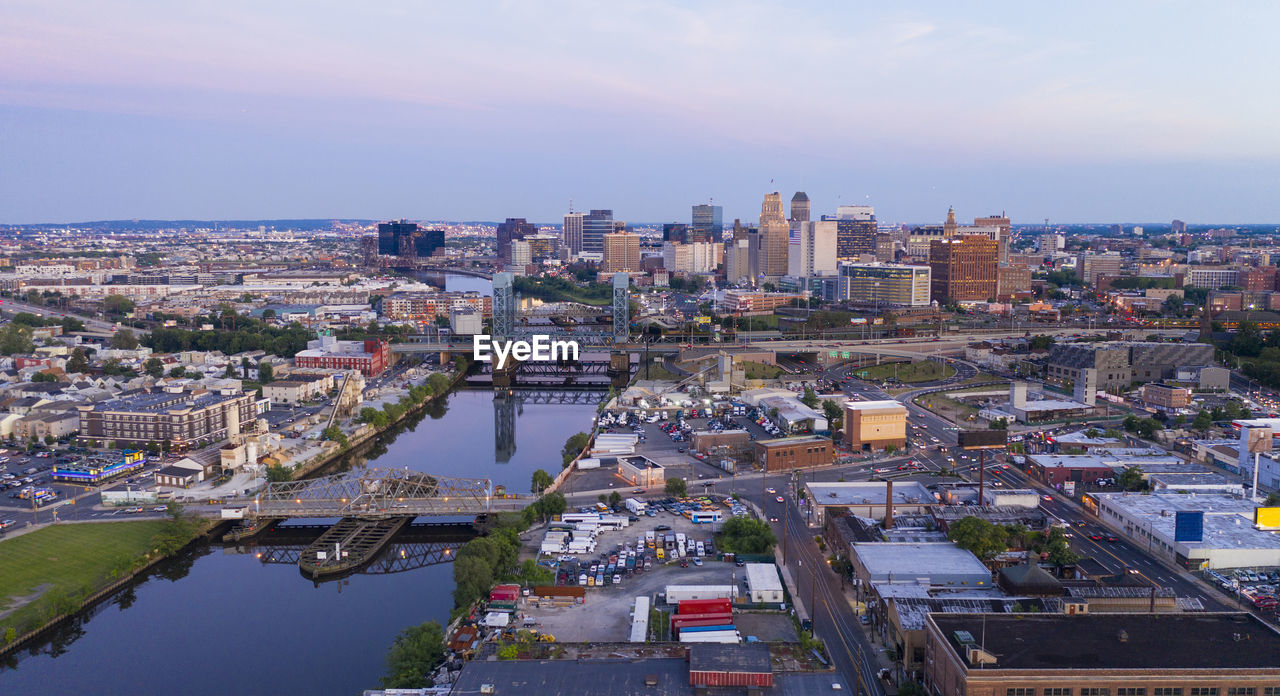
(178, 372)
(999, 424)
(335, 434)
(615, 499)
(1147, 427)
(1092, 433)
(810, 398)
(573, 446)
(16, 339)
(117, 304)
(414, 654)
(266, 373)
(276, 473)
(1131, 479)
(153, 367)
(1273, 500)
(979, 537)
(675, 487)
(832, 413)
(78, 362)
(1202, 421)
(541, 480)
(44, 377)
(268, 314)
(1248, 340)
(746, 535)
(124, 339)
(1130, 423)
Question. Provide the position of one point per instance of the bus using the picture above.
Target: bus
(704, 516)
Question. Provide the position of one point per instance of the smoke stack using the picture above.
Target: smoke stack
(888, 504)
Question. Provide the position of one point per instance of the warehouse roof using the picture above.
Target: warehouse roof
(748, 658)
(1115, 641)
(868, 493)
(907, 562)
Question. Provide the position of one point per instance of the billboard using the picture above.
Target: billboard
(1260, 439)
(1188, 525)
(1267, 517)
(983, 439)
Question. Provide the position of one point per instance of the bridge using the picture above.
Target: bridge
(375, 494)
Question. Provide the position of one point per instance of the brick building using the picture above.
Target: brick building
(964, 268)
(371, 356)
(427, 306)
(784, 453)
(1192, 654)
(183, 419)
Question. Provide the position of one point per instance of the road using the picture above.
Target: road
(10, 306)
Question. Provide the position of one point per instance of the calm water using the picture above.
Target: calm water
(217, 622)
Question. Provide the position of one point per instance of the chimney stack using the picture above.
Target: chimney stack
(888, 504)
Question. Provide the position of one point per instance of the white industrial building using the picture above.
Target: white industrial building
(763, 584)
(1229, 539)
(865, 498)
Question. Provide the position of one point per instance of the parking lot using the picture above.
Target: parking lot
(1257, 587)
(605, 617)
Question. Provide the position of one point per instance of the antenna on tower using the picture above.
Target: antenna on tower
(571, 205)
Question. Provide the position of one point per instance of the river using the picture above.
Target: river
(213, 621)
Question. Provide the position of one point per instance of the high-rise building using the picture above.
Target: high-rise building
(1178, 227)
(512, 229)
(573, 233)
(800, 207)
(1090, 265)
(1050, 243)
(595, 225)
(695, 257)
(812, 249)
(621, 253)
(964, 268)
(737, 260)
(885, 284)
(520, 252)
(855, 231)
(675, 232)
(709, 220)
(775, 233)
(1003, 228)
(407, 240)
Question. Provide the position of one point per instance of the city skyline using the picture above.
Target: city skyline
(1093, 113)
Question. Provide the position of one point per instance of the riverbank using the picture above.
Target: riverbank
(53, 573)
(367, 433)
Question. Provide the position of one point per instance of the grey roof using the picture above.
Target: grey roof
(906, 562)
(1029, 577)
(565, 678)
(800, 196)
(752, 658)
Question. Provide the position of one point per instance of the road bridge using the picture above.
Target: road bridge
(374, 493)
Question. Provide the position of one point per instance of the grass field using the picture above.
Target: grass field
(755, 370)
(50, 570)
(908, 373)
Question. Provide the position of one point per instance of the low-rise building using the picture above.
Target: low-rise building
(873, 425)
(371, 356)
(1193, 654)
(935, 564)
(781, 454)
(641, 471)
(1166, 397)
(866, 498)
(763, 584)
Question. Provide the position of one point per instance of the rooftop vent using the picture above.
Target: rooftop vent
(486, 688)
(1123, 636)
(650, 680)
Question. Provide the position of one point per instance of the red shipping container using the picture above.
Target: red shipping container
(681, 619)
(698, 606)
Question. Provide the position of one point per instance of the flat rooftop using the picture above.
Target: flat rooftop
(640, 462)
(1228, 520)
(885, 405)
(906, 562)
(868, 493)
(752, 658)
(1116, 641)
(796, 440)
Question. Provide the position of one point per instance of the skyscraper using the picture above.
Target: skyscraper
(812, 249)
(775, 233)
(512, 229)
(709, 220)
(407, 240)
(855, 231)
(595, 225)
(573, 233)
(800, 207)
(1005, 228)
(964, 268)
(621, 253)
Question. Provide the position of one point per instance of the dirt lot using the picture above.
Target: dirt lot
(605, 615)
(767, 626)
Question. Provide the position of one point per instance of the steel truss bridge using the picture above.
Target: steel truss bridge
(396, 557)
(379, 494)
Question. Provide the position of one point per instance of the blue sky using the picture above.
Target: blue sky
(1076, 112)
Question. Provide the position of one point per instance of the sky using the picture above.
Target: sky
(1136, 111)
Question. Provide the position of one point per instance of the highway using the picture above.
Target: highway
(10, 307)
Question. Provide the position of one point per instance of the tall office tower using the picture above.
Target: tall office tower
(709, 220)
(964, 268)
(369, 250)
(999, 222)
(406, 240)
(775, 233)
(573, 233)
(882, 284)
(1050, 243)
(800, 207)
(1178, 227)
(520, 252)
(740, 231)
(390, 233)
(595, 225)
(512, 229)
(812, 249)
(621, 253)
(675, 232)
(855, 231)
(737, 260)
(886, 248)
